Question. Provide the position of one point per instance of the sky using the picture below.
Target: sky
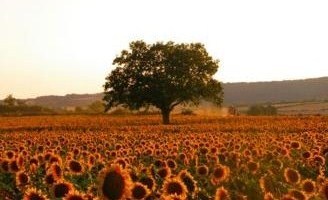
(58, 47)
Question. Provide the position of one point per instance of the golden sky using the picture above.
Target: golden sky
(67, 46)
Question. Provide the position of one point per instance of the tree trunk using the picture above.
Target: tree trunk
(166, 116)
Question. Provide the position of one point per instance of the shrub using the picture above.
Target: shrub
(256, 110)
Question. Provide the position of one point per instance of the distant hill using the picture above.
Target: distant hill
(315, 89)
(69, 100)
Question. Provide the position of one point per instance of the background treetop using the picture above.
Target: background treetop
(163, 75)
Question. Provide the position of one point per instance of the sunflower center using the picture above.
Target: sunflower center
(218, 172)
(139, 192)
(113, 185)
(35, 197)
(61, 190)
(174, 188)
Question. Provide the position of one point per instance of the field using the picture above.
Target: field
(296, 108)
(135, 157)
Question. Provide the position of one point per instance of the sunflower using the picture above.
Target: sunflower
(50, 179)
(295, 145)
(10, 154)
(121, 162)
(56, 171)
(253, 166)
(34, 194)
(139, 191)
(34, 161)
(277, 164)
(5, 165)
(220, 174)
(306, 154)
(114, 183)
(189, 182)
(202, 170)
(61, 189)
(75, 167)
(13, 166)
(308, 186)
(55, 159)
(22, 178)
(149, 182)
(74, 195)
(221, 194)
(164, 172)
(159, 163)
(292, 176)
(174, 187)
(318, 160)
(171, 163)
(297, 194)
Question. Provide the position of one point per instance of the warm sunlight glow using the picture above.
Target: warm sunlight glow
(67, 46)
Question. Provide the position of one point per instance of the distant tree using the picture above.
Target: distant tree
(163, 75)
(9, 100)
(262, 110)
(79, 109)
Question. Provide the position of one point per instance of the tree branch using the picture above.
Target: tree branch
(175, 104)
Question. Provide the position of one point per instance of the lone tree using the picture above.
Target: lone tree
(163, 75)
(9, 100)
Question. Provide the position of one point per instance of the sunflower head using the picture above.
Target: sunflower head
(221, 194)
(308, 186)
(174, 187)
(13, 166)
(220, 174)
(75, 167)
(297, 194)
(74, 195)
(164, 172)
(149, 182)
(292, 176)
(56, 171)
(202, 170)
(252, 166)
(22, 179)
(61, 189)
(171, 163)
(139, 191)
(34, 194)
(114, 183)
(189, 182)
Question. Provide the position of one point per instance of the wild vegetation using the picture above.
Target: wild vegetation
(197, 157)
(261, 110)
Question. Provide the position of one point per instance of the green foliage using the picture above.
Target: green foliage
(96, 107)
(163, 75)
(257, 110)
(9, 100)
(7, 181)
(13, 106)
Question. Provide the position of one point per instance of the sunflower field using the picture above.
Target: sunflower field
(135, 157)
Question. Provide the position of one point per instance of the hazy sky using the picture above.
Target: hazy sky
(67, 46)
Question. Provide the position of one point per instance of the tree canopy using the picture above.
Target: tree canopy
(163, 75)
